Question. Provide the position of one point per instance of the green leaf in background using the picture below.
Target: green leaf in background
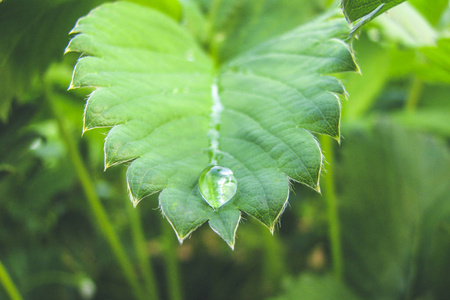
(437, 65)
(34, 34)
(406, 26)
(363, 89)
(174, 113)
(357, 9)
(431, 10)
(34, 158)
(315, 287)
(432, 112)
(394, 201)
(170, 7)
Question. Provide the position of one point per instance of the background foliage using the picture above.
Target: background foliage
(390, 173)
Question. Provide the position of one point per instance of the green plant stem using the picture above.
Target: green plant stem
(143, 257)
(414, 94)
(9, 285)
(95, 205)
(171, 259)
(329, 193)
(274, 260)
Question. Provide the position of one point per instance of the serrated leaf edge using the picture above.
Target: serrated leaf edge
(232, 244)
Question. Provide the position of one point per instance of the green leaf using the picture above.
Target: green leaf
(360, 12)
(433, 12)
(437, 66)
(35, 159)
(33, 35)
(174, 113)
(170, 7)
(434, 120)
(395, 197)
(432, 112)
(363, 89)
(357, 9)
(406, 26)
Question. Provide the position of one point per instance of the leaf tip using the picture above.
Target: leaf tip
(231, 244)
(318, 189)
(135, 201)
(89, 124)
(228, 236)
(272, 229)
(72, 85)
(68, 49)
(84, 129)
(107, 165)
(85, 126)
(273, 225)
(180, 238)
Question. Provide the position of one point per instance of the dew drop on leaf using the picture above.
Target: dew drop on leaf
(217, 185)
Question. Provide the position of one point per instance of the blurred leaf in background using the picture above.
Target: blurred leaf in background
(394, 199)
(33, 34)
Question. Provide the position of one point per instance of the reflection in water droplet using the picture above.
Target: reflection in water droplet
(217, 185)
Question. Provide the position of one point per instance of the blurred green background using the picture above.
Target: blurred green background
(390, 175)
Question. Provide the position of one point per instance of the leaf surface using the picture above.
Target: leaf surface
(357, 9)
(237, 25)
(173, 112)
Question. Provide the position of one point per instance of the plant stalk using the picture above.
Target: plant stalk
(274, 260)
(171, 259)
(414, 94)
(9, 285)
(329, 193)
(145, 264)
(94, 202)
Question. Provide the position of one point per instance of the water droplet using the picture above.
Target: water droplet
(217, 185)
